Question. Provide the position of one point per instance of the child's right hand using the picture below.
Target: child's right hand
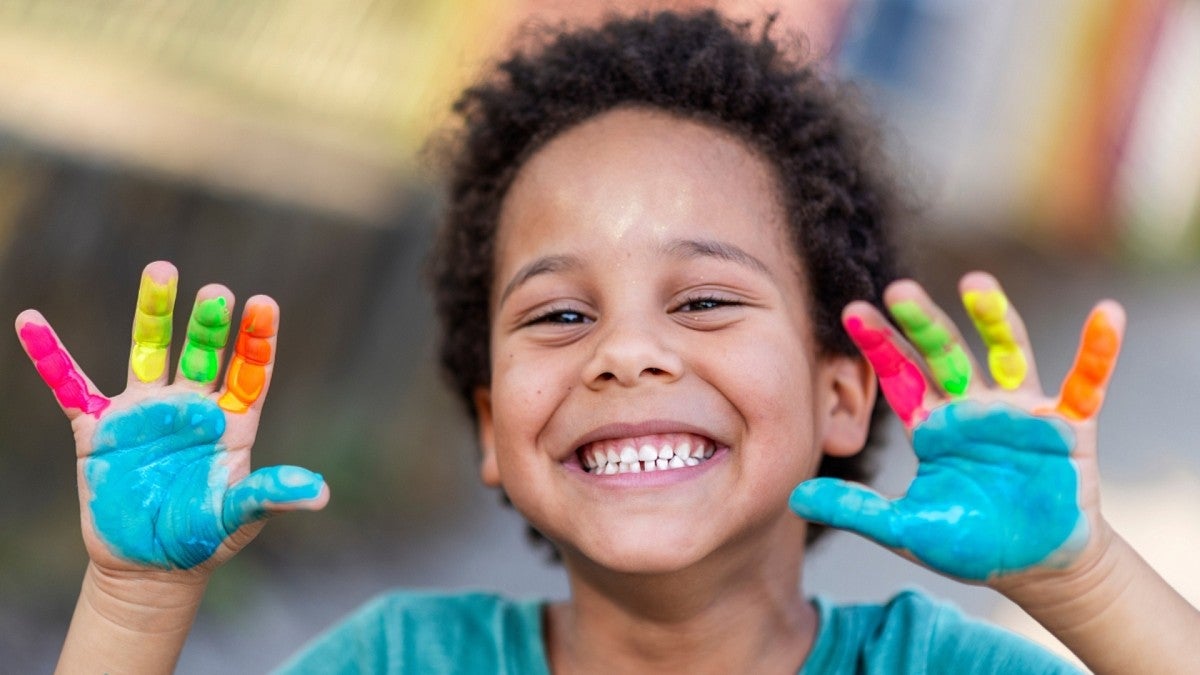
(164, 469)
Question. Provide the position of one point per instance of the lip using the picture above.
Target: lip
(645, 428)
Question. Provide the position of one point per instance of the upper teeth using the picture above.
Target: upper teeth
(652, 453)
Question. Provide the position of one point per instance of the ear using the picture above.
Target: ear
(846, 402)
(489, 471)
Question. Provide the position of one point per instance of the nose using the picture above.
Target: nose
(628, 353)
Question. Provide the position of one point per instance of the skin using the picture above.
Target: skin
(163, 460)
(627, 320)
(993, 465)
(616, 313)
(1084, 583)
(997, 494)
(595, 324)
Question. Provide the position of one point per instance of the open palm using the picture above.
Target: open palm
(164, 469)
(1007, 477)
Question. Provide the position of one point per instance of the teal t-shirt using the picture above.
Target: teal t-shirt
(422, 632)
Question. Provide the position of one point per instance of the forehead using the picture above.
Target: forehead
(634, 171)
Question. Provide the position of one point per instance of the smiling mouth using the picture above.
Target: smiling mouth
(660, 452)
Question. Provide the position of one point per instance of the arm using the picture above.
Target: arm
(1115, 612)
(1007, 490)
(165, 488)
(135, 624)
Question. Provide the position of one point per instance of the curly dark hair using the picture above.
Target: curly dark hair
(699, 66)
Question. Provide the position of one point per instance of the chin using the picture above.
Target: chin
(650, 562)
(642, 553)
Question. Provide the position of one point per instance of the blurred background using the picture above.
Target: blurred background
(277, 147)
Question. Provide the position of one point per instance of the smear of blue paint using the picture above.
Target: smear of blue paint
(160, 492)
(996, 492)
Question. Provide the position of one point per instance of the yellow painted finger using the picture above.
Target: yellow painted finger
(1006, 359)
(152, 324)
(252, 353)
(1083, 389)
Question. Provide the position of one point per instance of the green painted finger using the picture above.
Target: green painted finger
(1006, 359)
(152, 327)
(946, 358)
(207, 333)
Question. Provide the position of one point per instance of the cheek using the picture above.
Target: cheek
(525, 391)
(770, 380)
(770, 383)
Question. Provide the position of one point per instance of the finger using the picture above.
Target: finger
(1002, 330)
(72, 389)
(902, 381)
(847, 506)
(270, 491)
(1083, 389)
(207, 333)
(250, 368)
(152, 324)
(933, 334)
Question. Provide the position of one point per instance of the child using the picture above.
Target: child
(653, 230)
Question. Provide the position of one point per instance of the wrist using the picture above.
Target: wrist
(131, 621)
(143, 601)
(1081, 588)
(1112, 610)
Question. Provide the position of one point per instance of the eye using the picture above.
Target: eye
(559, 316)
(706, 303)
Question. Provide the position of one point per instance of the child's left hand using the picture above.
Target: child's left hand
(1007, 480)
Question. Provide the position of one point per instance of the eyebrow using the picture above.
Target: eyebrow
(676, 248)
(711, 248)
(543, 265)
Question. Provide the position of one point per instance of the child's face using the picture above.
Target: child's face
(647, 294)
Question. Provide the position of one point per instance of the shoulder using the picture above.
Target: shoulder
(911, 633)
(422, 631)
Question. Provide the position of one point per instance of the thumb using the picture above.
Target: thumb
(847, 506)
(273, 490)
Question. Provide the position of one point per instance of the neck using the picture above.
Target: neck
(736, 611)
